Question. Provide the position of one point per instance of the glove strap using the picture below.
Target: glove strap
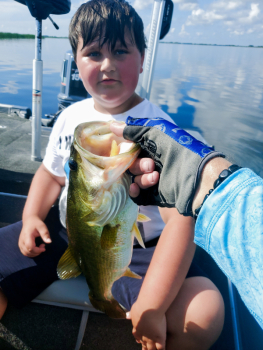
(222, 176)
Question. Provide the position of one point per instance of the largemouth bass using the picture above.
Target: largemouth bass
(101, 218)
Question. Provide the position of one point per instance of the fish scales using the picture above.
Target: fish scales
(101, 218)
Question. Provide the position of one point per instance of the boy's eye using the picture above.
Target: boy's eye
(120, 52)
(93, 54)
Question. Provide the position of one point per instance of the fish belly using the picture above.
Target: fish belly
(103, 254)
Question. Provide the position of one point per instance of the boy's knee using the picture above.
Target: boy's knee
(196, 316)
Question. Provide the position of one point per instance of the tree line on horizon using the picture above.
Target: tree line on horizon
(32, 36)
(23, 36)
(16, 36)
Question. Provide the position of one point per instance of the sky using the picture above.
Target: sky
(221, 22)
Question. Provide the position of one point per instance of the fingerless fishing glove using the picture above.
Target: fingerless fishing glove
(178, 157)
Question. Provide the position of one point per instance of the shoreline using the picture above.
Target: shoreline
(32, 36)
(26, 36)
(219, 45)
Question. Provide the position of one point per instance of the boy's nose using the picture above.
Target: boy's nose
(108, 65)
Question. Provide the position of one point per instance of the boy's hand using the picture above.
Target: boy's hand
(33, 227)
(149, 328)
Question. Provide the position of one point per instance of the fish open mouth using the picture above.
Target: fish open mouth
(97, 145)
(96, 138)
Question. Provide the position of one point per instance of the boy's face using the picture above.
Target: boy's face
(110, 76)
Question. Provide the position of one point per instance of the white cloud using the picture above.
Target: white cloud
(226, 5)
(254, 11)
(236, 32)
(183, 32)
(141, 5)
(201, 16)
(185, 1)
(187, 6)
(229, 23)
(253, 14)
(239, 16)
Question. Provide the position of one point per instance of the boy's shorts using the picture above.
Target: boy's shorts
(22, 278)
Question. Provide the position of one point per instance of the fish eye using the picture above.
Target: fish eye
(73, 165)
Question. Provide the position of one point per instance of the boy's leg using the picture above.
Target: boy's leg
(195, 319)
(3, 303)
(23, 278)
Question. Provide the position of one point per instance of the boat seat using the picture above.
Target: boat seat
(63, 293)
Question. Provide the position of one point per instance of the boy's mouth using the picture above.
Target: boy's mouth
(108, 81)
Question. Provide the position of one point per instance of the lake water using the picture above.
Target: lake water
(215, 90)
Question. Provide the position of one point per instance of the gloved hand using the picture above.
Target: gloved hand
(178, 157)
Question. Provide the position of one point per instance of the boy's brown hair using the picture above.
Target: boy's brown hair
(107, 21)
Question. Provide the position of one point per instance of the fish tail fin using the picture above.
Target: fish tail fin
(111, 307)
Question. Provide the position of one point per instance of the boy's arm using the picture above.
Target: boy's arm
(44, 191)
(165, 276)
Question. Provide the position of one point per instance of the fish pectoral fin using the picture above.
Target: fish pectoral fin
(142, 218)
(109, 236)
(136, 232)
(67, 266)
(129, 273)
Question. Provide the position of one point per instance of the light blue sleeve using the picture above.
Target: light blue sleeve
(230, 229)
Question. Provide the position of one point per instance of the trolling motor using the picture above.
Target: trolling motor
(41, 10)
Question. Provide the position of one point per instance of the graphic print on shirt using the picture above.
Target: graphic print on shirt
(65, 142)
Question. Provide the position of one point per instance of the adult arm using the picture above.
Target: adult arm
(146, 177)
(165, 276)
(229, 226)
(44, 191)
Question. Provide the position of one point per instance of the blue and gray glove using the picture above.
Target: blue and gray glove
(178, 157)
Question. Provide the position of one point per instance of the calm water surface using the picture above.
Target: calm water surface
(216, 90)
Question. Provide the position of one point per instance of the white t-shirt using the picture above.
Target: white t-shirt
(58, 151)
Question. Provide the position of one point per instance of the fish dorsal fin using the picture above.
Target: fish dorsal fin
(129, 273)
(136, 232)
(67, 266)
(143, 218)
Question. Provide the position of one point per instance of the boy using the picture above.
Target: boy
(108, 45)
